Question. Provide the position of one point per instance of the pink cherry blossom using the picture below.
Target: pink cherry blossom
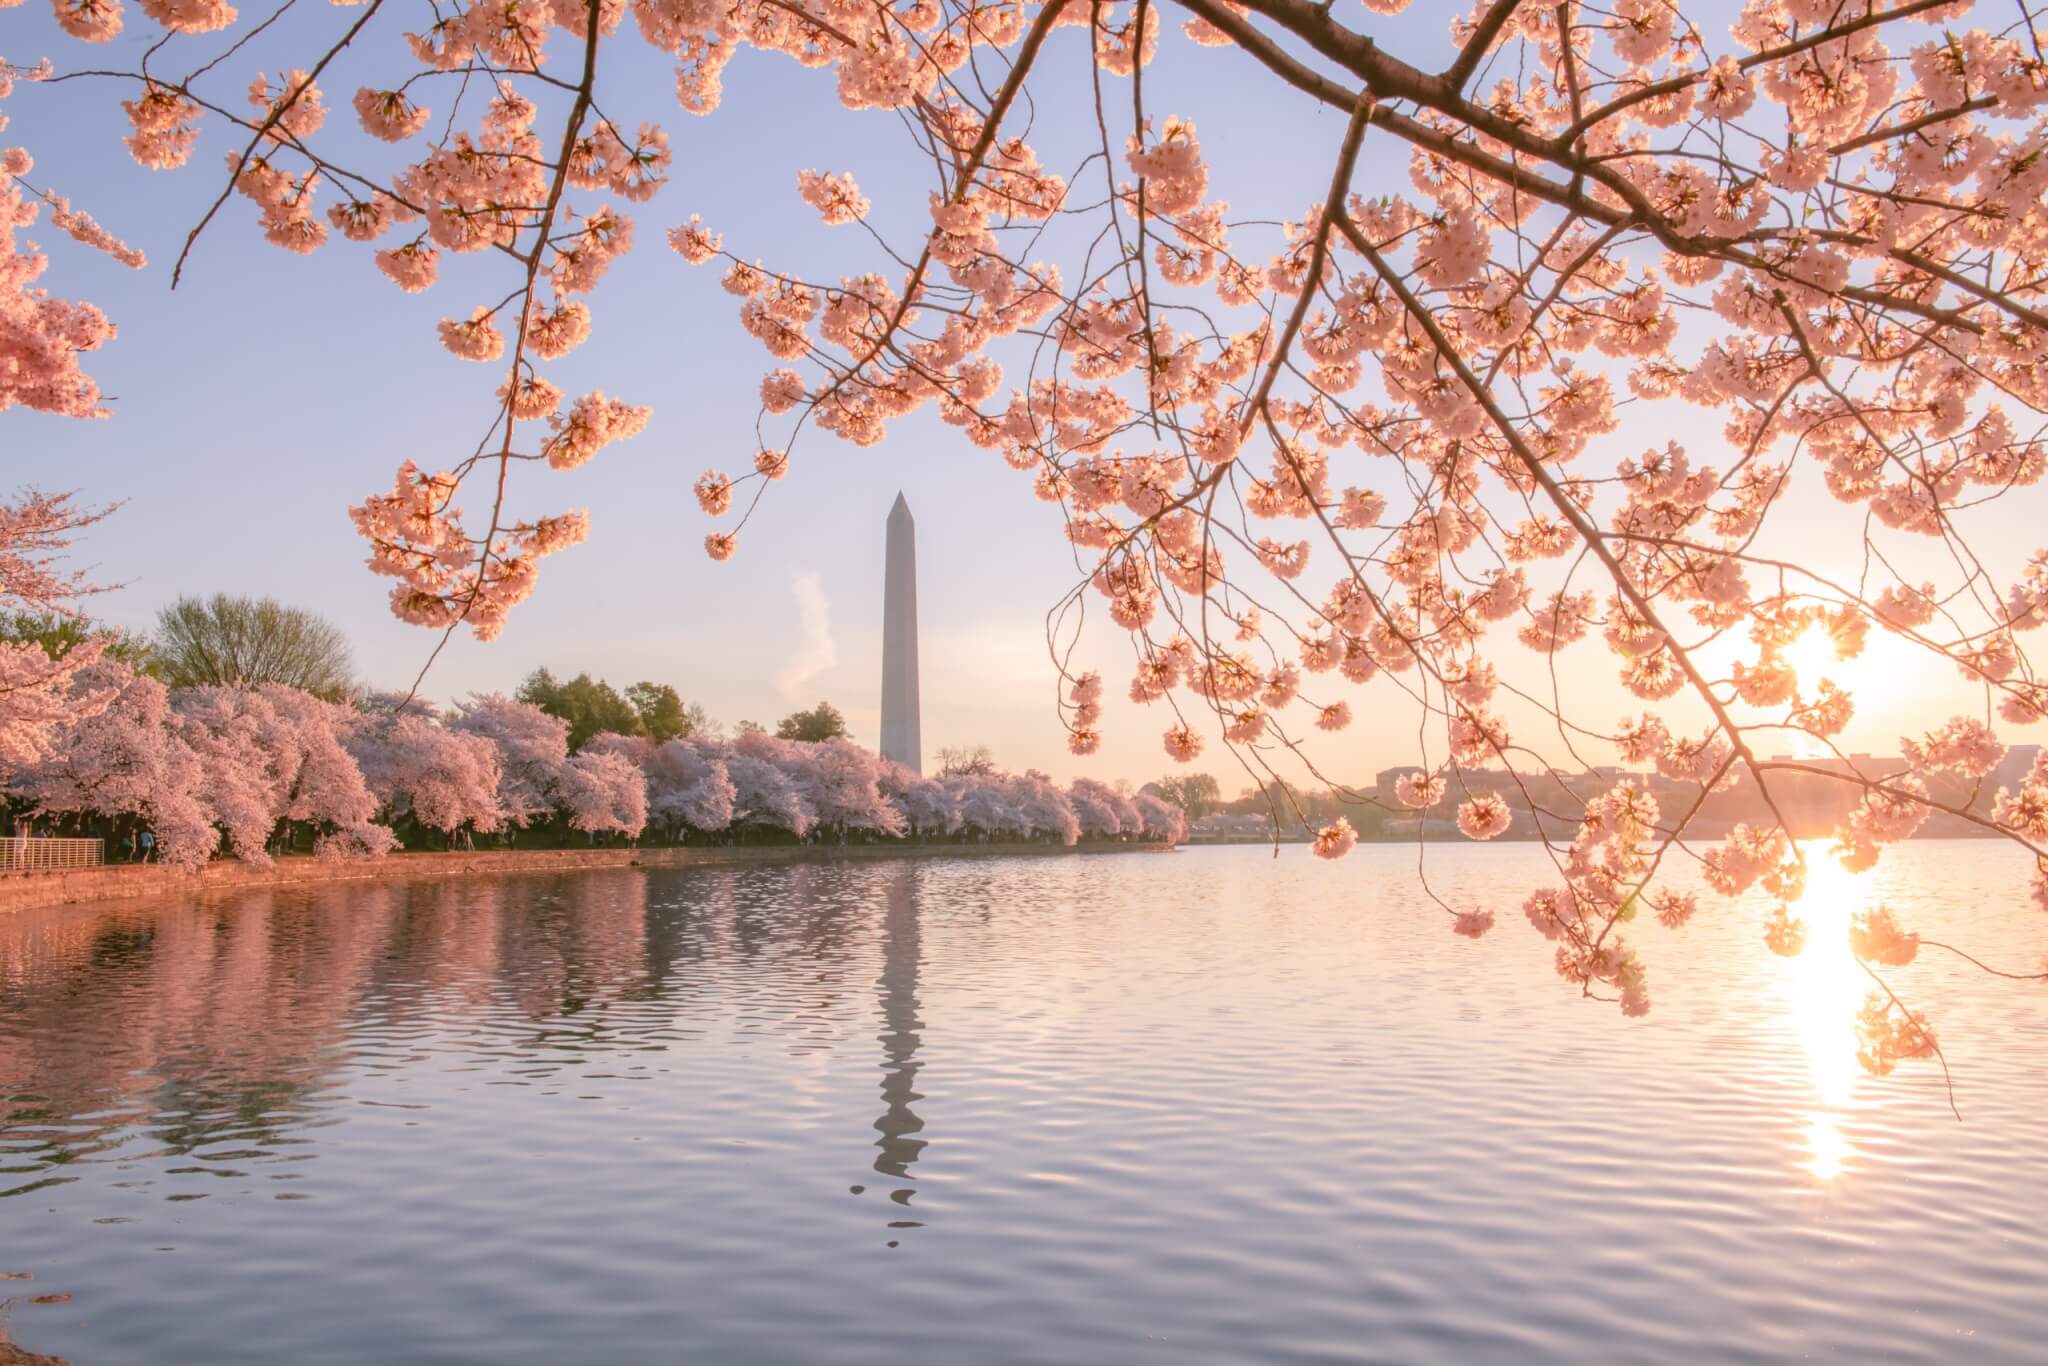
(1876, 937)
(413, 268)
(1472, 924)
(475, 338)
(1334, 840)
(714, 492)
(389, 114)
(836, 198)
(1484, 816)
(592, 423)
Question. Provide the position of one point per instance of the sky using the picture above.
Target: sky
(266, 393)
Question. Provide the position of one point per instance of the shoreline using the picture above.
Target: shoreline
(29, 891)
(1454, 835)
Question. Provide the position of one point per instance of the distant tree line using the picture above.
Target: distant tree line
(202, 735)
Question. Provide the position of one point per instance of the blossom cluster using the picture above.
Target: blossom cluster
(40, 694)
(42, 336)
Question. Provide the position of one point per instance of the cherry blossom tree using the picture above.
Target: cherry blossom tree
(1015, 806)
(985, 804)
(235, 739)
(126, 758)
(1160, 820)
(36, 692)
(533, 750)
(273, 756)
(420, 770)
(1102, 810)
(928, 806)
(329, 791)
(842, 783)
(37, 697)
(604, 792)
(1363, 435)
(763, 793)
(1042, 808)
(688, 785)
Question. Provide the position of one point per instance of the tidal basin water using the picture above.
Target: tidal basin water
(1202, 1106)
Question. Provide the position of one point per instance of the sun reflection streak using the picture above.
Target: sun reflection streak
(1827, 1150)
(1823, 988)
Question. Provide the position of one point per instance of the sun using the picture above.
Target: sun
(1813, 657)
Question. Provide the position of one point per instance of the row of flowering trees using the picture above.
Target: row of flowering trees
(245, 770)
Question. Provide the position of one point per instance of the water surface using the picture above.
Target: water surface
(1201, 1106)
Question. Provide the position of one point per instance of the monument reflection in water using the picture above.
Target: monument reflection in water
(899, 1126)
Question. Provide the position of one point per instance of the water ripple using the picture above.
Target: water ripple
(1201, 1107)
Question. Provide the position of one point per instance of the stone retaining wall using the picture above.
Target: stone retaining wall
(112, 882)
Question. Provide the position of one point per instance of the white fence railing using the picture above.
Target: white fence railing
(41, 853)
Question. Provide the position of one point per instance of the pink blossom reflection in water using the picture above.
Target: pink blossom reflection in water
(1208, 1106)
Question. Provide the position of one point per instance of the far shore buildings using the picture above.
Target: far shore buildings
(1813, 801)
(902, 740)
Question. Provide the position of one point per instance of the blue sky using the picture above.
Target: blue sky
(269, 391)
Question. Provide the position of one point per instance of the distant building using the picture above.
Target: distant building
(1223, 828)
(2013, 768)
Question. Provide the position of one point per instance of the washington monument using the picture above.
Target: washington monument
(901, 741)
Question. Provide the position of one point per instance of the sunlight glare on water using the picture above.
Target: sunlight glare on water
(1823, 988)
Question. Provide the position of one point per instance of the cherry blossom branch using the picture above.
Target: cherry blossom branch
(270, 121)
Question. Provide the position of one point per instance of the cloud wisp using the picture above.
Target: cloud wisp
(815, 652)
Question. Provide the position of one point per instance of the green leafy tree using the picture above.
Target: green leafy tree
(822, 722)
(1195, 793)
(1274, 795)
(590, 706)
(221, 640)
(662, 713)
(57, 633)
